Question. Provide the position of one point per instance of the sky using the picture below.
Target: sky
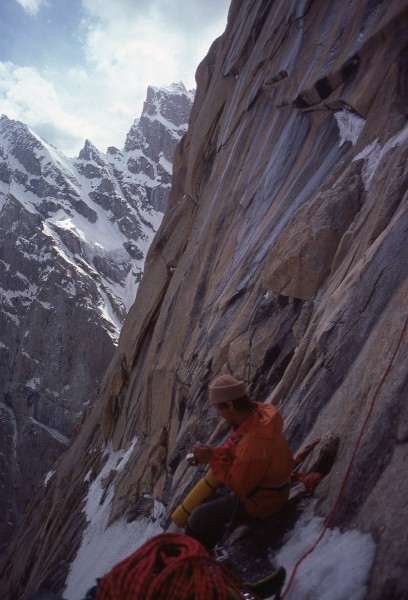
(79, 69)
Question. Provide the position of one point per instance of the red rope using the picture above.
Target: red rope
(350, 463)
(169, 566)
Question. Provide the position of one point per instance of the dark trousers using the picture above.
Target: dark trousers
(211, 521)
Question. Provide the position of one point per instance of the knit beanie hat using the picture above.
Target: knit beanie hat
(225, 388)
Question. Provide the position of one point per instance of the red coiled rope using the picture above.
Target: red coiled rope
(350, 463)
(170, 566)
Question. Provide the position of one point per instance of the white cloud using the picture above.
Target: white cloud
(28, 96)
(128, 45)
(124, 42)
(32, 6)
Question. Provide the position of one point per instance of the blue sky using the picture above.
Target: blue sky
(77, 69)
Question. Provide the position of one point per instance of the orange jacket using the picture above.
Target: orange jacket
(255, 459)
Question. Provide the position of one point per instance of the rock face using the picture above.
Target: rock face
(281, 259)
(74, 235)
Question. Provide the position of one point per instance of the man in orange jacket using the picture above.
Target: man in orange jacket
(255, 463)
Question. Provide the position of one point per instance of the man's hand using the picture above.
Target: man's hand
(202, 454)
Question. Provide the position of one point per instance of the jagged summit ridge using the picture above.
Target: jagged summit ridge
(71, 197)
(151, 139)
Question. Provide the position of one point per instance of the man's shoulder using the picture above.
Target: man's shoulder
(267, 411)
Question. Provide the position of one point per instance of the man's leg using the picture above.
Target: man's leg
(208, 521)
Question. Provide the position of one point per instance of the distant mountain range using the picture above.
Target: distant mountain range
(73, 239)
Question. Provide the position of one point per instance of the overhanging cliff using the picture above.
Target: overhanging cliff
(281, 259)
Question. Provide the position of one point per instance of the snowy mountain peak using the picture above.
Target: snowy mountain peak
(11, 124)
(169, 108)
(18, 146)
(89, 152)
(167, 101)
(123, 192)
(174, 88)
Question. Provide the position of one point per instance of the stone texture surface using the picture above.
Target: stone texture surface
(281, 259)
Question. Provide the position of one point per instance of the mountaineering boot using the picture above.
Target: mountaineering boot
(271, 585)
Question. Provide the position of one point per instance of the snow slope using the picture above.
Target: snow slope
(338, 568)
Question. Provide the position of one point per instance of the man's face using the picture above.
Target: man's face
(226, 411)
